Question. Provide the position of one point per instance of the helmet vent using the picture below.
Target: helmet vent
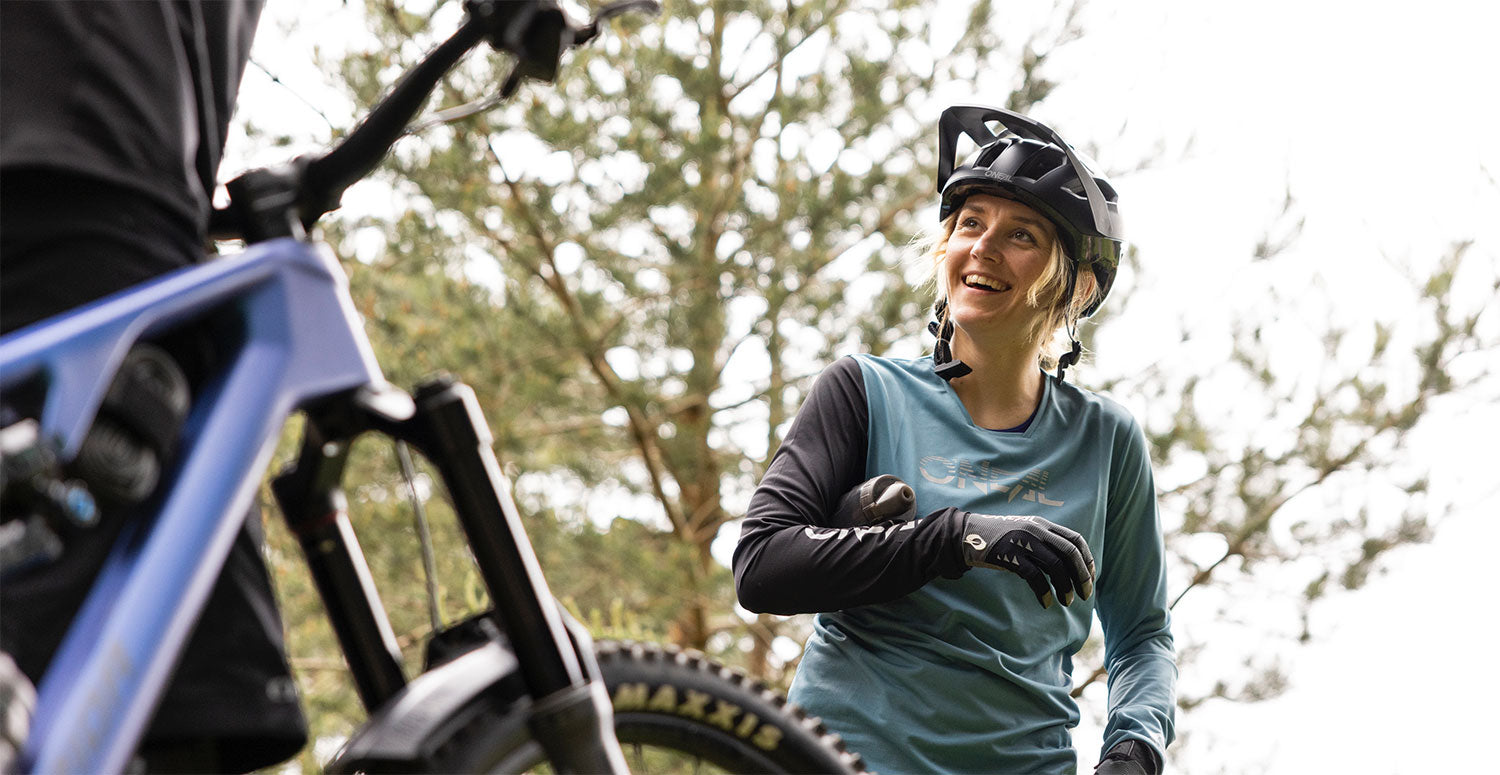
(987, 156)
(1041, 161)
(966, 148)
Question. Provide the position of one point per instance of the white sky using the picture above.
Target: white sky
(1378, 117)
(1381, 118)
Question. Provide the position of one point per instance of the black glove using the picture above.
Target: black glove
(1035, 550)
(1129, 757)
(876, 500)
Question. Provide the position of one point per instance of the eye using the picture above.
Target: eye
(970, 223)
(1025, 236)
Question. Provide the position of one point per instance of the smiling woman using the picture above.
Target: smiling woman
(992, 245)
(918, 664)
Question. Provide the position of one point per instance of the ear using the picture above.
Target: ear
(1085, 288)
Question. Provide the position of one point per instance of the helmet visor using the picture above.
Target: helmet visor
(972, 120)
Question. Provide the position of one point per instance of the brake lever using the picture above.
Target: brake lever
(537, 33)
(588, 31)
(532, 31)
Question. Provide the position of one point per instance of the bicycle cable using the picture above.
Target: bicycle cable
(424, 533)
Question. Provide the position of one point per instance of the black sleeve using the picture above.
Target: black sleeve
(795, 555)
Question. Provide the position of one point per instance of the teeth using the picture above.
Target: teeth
(979, 281)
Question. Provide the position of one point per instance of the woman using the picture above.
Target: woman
(919, 663)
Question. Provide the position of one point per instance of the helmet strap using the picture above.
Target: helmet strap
(1068, 358)
(1071, 356)
(946, 366)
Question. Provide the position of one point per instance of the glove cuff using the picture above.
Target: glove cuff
(1133, 750)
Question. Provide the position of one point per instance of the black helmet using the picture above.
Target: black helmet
(1029, 162)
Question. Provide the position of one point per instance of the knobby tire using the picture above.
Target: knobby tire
(675, 711)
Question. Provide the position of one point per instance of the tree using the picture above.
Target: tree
(642, 267)
(723, 205)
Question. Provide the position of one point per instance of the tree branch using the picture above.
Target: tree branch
(736, 90)
(886, 220)
(592, 351)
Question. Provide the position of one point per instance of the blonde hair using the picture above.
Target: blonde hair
(1046, 293)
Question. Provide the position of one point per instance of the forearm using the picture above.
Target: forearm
(798, 552)
(1139, 651)
(788, 568)
(1143, 695)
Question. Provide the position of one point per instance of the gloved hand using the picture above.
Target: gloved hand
(1129, 757)
(1034, 549)
(1120, 767)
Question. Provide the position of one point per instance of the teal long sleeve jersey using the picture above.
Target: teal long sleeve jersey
(920, 663)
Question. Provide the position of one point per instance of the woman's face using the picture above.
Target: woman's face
(998, 250)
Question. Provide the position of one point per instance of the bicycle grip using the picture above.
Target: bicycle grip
(879, 499)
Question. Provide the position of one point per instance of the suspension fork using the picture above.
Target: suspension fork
(570, 715)
(311, 497)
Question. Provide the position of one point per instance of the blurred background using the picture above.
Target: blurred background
(642, 267)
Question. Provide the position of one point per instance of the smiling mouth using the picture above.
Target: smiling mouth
(982, 283)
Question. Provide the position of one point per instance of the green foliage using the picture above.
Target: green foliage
(696, 186)
(638, 263)
(592, 257)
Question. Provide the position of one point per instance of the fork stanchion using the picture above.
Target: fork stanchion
(568, 707)
(317, 512)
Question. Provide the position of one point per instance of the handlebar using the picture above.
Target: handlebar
(280, 202)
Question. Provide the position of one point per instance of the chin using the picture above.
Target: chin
(967, 315)
(990, 324)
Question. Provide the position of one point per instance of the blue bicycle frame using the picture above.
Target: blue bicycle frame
(302, 341)
(299, 345)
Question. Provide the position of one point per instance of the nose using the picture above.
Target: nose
(987, 247)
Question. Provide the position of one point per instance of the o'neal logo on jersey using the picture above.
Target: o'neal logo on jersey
(1029, 485)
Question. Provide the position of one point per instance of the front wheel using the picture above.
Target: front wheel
(675, 711)
(674, 707)
(679, 712)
